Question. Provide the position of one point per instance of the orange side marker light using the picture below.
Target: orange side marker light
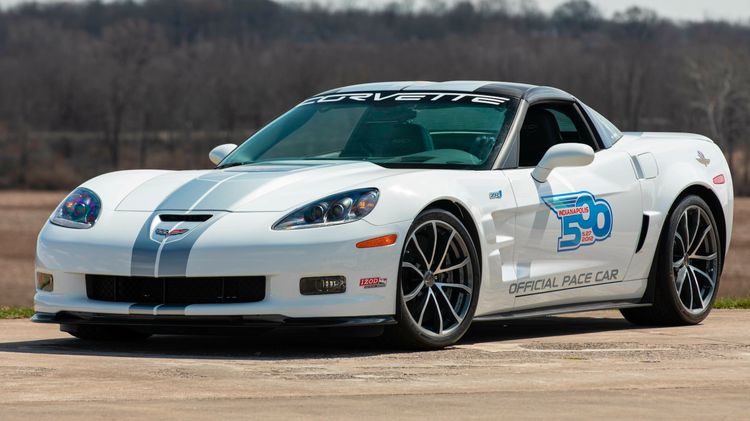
(386, 240)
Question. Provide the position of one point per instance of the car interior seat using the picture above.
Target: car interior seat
(538, 133)
(388, 134)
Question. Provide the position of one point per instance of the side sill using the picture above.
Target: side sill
(551, 311)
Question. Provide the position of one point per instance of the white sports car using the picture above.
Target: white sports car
(415, 206)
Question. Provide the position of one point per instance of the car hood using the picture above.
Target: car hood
(278, 186)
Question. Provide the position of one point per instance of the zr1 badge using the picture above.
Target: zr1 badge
(584, 219)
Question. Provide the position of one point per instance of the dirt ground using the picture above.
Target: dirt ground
(592, 366)
(25, 213)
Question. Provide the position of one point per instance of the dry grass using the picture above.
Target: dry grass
(24, 215)
(16, 312)
(735, 282)
(26, 212)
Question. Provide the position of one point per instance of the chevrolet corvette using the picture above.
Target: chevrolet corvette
(414, 207)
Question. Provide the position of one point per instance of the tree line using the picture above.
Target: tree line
(93, 87)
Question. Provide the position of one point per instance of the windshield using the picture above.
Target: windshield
(438, 129)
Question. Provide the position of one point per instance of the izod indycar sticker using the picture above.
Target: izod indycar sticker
(584, 219)
(373, 282)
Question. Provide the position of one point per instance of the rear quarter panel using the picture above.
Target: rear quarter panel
(677, 168)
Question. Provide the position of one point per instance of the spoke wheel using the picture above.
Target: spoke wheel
(695, 259)
(686, 269)
(438, 280)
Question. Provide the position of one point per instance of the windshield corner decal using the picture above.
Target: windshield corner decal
(584, 219)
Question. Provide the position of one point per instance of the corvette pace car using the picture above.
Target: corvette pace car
(416, 206)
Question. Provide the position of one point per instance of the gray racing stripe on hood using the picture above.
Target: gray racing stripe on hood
(174, 255)
(190, 193)
(144, 251)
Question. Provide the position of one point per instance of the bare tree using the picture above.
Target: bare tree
(717, 87)
(158, 82)
(126, 50)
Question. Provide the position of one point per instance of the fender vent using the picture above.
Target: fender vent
(644, 232)
(185, 218)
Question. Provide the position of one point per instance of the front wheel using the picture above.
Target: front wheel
(438, 282)
(686, 268)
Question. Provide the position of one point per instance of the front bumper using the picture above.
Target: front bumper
(238, 244)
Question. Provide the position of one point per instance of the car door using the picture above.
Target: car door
(576, 232)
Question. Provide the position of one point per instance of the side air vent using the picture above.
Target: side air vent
(185, 218)
(644, 232)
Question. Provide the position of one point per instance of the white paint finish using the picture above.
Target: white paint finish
(220, 152)
(562, 155)
(518, 232)
(609, 177)
(678, 168)
(252, 188)
(146, 196)
(104, 249)
(648, 168)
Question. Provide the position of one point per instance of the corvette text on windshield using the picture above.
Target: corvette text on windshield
(375, 97)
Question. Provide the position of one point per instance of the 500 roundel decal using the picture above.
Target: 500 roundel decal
(584, 219)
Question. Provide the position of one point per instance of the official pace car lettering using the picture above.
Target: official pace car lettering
(567, 281)
(584, 219)
(376, 97)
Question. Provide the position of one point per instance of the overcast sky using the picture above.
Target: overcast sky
(733, 10)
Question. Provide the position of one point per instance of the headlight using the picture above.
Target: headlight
(79, 210)
(332, 210)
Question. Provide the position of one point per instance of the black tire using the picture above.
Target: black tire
(670, 307)
(457, 288)
(104, 333)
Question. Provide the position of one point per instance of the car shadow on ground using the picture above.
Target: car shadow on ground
(290, 344)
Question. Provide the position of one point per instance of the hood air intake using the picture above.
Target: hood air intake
(184, 218)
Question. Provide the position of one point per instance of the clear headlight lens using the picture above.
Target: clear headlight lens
(79, 210)
(332, 210)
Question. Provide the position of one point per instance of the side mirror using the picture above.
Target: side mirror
(562, 155)
(220, 152)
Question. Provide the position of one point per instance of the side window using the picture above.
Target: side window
(607, 131)
(547, 125)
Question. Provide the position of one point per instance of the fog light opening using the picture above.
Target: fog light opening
(322, 285)
(386, 240)
(45, 282)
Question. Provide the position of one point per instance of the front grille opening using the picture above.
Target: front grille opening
(176, 291)
(184, 218)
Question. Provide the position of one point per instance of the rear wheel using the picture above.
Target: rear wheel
(687, 268)
(438, 282)
(103, 333)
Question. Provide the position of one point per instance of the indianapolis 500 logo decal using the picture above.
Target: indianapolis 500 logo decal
(584, 219)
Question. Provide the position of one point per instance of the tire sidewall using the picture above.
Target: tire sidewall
(667, 257)
(409, 329)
